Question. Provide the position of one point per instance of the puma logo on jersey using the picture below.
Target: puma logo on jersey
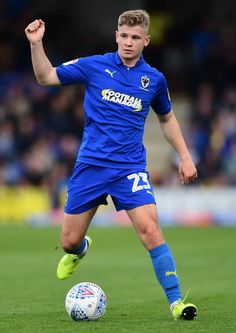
(109, 72)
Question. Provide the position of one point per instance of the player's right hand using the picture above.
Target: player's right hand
(35, 31)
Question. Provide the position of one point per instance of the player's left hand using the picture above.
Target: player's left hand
(187, 171)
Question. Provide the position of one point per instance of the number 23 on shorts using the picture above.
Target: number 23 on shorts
(140, 177)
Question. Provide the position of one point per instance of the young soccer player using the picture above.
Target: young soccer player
(120, 88)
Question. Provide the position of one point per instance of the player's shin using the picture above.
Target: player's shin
(164, 266)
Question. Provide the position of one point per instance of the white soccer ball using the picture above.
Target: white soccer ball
(86, 301)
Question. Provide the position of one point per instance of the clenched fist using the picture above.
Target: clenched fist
(35, 31)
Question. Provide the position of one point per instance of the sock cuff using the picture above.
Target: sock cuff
(158, 250)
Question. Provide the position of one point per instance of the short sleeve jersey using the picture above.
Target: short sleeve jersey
(116, 103)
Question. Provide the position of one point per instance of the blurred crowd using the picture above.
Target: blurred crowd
(211, 137)
(212, 134)
(41, 128)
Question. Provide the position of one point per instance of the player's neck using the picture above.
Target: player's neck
(129, 62)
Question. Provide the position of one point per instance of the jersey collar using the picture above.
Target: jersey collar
(119, 61)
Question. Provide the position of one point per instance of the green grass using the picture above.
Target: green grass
(32, 299)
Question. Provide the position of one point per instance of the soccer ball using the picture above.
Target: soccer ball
(86, 301)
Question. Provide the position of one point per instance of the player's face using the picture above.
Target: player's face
(131, 42)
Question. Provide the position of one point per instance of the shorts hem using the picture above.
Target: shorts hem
(134, 206)
(84, 209)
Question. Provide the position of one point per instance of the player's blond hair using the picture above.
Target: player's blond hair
(135, 17)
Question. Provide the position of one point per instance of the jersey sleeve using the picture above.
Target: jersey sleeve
(74, 71)
(161, 103)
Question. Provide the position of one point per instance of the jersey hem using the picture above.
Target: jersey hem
(112, 164)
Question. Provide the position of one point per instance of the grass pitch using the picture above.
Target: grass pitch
(32, 299)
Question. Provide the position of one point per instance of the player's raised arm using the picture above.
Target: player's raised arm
(44, 71)
(173, 134)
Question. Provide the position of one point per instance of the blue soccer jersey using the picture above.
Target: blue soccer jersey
(116, 104)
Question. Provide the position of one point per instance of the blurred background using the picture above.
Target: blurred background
(193, 44)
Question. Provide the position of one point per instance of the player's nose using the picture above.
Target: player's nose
(128, 42)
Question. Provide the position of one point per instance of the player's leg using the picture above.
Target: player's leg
(74, 242)
(86, 191)
(133, 192)
(74, 228)
(145, 221)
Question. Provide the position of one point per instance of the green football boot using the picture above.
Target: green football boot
(69, 262)
(180, 310)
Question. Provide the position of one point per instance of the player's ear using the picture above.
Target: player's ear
(147, 40)
(116, 35)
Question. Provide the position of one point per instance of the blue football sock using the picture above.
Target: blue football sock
(164, 266)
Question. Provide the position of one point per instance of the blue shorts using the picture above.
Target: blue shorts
(90, 185)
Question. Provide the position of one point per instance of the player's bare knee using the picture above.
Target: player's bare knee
(69, 247)
(151, 236)
(69, 244)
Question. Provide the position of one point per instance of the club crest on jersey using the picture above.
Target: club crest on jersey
(145, 81)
